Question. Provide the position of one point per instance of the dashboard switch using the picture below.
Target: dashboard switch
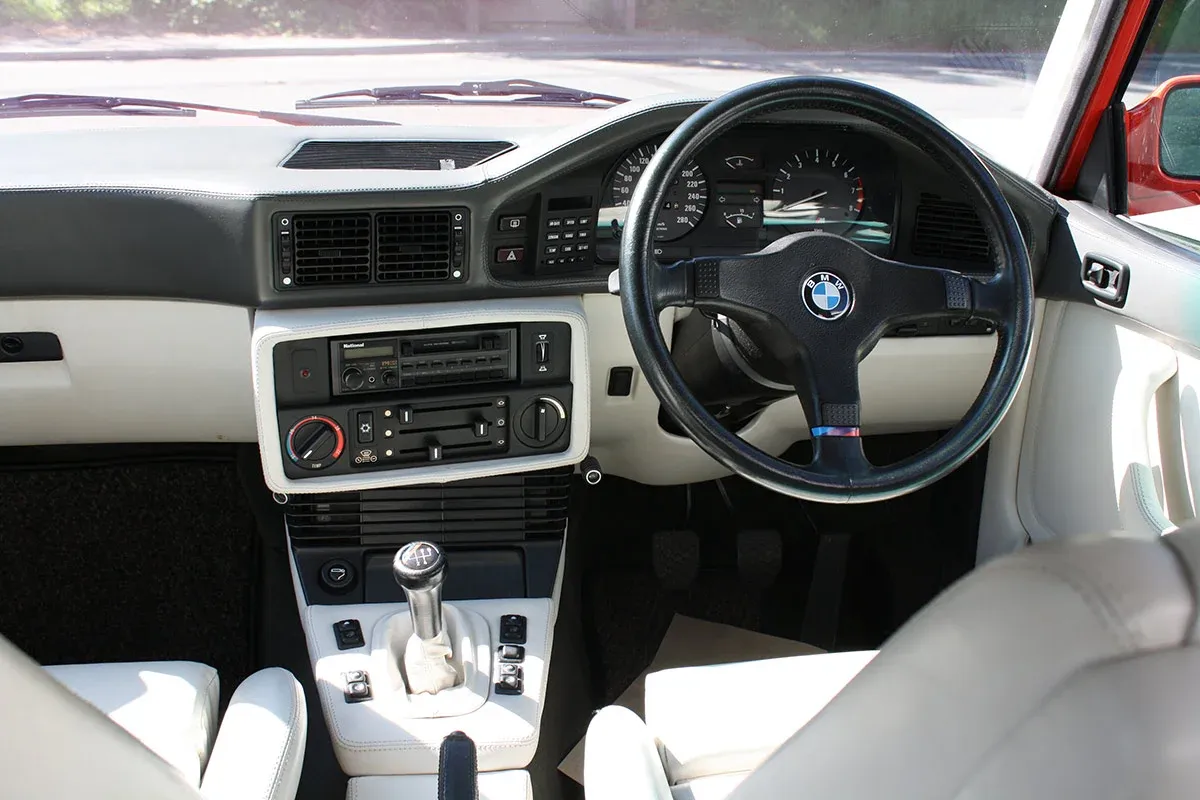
(510, 255)
(365, 427)
(435, 452)
(513, 224)
(481, 428)
(404, 415)
(541, 352)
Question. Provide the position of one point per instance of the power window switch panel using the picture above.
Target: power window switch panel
(348, 633)
(512, 629)
(512, 683)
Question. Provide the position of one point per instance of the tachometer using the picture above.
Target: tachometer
(686, 200)
(816, 188)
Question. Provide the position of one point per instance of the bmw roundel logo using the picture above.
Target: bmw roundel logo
(826, 295)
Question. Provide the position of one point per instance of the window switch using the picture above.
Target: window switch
(358, 686)
(512, 629)
(512, 682)
(512, 652)
(348, 633)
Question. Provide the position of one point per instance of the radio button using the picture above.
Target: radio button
(389, 377)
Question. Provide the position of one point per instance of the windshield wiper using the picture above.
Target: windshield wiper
(517, 90)
(52, 105)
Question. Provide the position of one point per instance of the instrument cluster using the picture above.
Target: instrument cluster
(757, 184)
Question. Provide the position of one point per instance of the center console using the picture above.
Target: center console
(423, 459)
(369, 397)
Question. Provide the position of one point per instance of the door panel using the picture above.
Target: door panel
(1091, 452)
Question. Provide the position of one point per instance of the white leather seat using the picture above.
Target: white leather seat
(147, 730)
(1069, 670)
(169, 706)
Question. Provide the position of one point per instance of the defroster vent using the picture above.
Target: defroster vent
(531, 505)
(329, 248)
(949, 229)
(394, 155)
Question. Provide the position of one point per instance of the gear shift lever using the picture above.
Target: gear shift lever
(420, 569)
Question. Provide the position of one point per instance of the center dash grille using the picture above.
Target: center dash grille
(332, 249)
(532, 505)
(412, 246)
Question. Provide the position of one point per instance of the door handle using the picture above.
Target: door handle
(1105, 278)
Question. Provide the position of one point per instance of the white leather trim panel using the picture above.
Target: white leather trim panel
(259, 751)
(169, 706)
(513, 784)
(727, 718)
(272, 327)
(132, 371)
(628, 441)
(1086, 456)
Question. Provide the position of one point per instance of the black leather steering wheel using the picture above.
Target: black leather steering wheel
(819, 302)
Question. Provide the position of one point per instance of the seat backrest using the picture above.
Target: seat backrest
(1066, 671)
(56, 746)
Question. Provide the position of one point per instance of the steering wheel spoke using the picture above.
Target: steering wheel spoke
(828, 390)
(911, 293)
(992, 299)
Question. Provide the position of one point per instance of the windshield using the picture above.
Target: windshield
(971, 63)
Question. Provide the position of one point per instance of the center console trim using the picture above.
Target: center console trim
(274, 326)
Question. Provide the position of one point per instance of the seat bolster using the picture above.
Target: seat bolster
(621, 759)
(725, 718)
(259, 750)
(170, 706)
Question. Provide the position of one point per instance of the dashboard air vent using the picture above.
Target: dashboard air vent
(532, 504)
(332, 249)
(412, 246)
(949, 229)
(394, 155)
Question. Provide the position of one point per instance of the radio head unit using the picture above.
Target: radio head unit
(422, 360)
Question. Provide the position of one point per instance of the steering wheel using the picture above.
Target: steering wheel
(819, 303)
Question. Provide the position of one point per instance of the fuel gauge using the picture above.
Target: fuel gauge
(740, 204)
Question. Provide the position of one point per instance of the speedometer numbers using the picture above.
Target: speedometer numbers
(682, 208)
(816, 188)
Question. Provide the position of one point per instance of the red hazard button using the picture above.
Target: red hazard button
(510, 255)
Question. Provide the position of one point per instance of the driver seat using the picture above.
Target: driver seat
(1067, 670)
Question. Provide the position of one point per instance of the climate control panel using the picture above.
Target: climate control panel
(398, 400)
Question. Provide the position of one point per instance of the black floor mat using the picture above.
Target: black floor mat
(128, 561)
(902, 553)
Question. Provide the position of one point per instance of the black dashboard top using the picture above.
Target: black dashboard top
(185, 214)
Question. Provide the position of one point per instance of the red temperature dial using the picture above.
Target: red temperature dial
(315, 442)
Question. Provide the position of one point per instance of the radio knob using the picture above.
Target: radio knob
(352, 378)
(389, 377)
(315, 442)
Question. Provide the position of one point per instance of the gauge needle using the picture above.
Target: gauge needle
(798, 203)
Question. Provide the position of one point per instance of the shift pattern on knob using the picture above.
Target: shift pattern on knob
(420, 569)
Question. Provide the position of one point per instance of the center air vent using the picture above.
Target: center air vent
(950, 230)
(385, 246)
(394, 155)
(330, 249)
(412, 246)
(531, 505)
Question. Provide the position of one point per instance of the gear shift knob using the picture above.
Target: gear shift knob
(420, 569)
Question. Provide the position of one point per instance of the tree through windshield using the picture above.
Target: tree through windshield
(972, 63)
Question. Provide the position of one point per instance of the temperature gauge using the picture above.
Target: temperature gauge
(740, 162)
(740, 205)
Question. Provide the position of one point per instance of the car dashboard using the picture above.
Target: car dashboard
(180, 277)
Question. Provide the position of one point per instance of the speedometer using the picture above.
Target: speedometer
(686, 200)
